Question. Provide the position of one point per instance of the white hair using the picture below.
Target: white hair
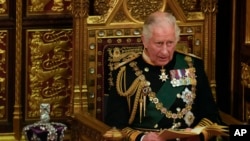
(158, 19)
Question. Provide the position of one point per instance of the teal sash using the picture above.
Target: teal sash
(166, 95)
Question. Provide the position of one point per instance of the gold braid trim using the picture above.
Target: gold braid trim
(135, 88)
(120, 84)
(137, 98)
(122, 88)
(130, 133)
(133, 136)
(129, 57)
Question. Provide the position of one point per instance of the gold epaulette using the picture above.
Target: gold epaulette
(188, 54)
(126, 59)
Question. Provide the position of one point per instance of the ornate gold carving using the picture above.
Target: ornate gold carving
(245, 75)
(138, 10)
(209, 6)
(195, 16)
(109, 10)
(17, 114)
(245, 81)
(80, 8)
(119, 17)
(247, 34)
(79, 97)
(87, 128)
(190, 5)
(3, 6)
(3, 46)
(37, 5)
(55, 6)
(102, 6)
(247, 112)
(58, 6)
(49, 68)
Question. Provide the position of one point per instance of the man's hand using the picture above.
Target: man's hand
(152, 136)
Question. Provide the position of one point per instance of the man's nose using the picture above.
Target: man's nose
(165, 49)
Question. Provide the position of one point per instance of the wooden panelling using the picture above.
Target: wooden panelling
(247, 31)
(35, 62)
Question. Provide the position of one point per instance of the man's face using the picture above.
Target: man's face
(161, 46)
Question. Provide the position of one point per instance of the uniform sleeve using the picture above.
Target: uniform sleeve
(117, 113)
(204, 104)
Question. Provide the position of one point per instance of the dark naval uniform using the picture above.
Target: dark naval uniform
(146, 97)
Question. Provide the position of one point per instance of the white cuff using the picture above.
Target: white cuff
(142, 137)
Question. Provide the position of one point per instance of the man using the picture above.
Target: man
(161, 88)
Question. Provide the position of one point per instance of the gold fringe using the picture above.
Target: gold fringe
(135, 88)
(204, 122)
(137, 97)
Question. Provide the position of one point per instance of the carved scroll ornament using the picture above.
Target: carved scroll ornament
(245, 75)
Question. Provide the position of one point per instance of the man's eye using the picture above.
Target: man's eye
(159, 43)
(169, 43)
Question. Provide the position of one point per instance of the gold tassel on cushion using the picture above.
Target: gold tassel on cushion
(206, 135)
(202, 123)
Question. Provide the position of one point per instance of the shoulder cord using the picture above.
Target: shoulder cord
(135, 88)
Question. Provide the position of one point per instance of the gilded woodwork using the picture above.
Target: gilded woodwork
(48, 6)
(245, 75)
(45, 59)
(87, 128)
(245, 82)
(240, 60)
(3, 7)
(247, 34)
(17, 114)
(3, 75)
(49, 61)
(79, 100)
(35, 62)
(209, 6)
